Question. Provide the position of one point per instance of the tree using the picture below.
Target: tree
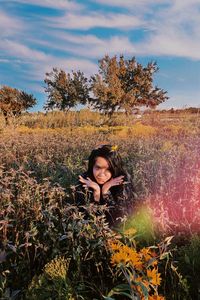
(13, 102)
(65, 90)
(124, 85)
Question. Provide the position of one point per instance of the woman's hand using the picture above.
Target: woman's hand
(88, 183)
(112, 182)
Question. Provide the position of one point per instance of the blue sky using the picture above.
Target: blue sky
(37, 35)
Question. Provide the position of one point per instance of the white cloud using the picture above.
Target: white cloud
(132, 4)
(9, 25)
(34, 43)
(31, 65)
(183, 4)
(42, 62)
(167, 34)
(56, 4)
(93, 47)
(35, 70)
(21, 51)
(175, 32)
(93, 20)
(3, 60)
(69, 64)
(170, 43)
(86, 39)
(90, 46)
(32, 79)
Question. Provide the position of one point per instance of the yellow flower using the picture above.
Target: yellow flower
(125, 254)
(119, 258)
(145, 253)
(114, 245)
(132, 256)
(57, 268)
(148, 256)
(114, 148)
(134, 259)
(156, 297)
(154, 276)
(135, 278)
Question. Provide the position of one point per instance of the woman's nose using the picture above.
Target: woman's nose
(101, 172)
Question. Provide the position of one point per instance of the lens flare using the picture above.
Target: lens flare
(174, 213)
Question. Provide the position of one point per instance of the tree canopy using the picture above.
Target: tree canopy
(14, 101)
(124, 84)
(65, 90)
(119, 85)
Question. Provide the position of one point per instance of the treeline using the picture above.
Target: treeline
(191, 110)
(119, 85)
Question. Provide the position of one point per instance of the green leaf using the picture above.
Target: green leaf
(121, 289)
(144, 289)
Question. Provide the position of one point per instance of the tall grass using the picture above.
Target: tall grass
(41, 156)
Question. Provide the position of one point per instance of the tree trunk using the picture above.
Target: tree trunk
(6, 117)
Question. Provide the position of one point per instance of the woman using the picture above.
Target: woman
(106, 182)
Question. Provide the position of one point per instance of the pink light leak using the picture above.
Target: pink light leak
(177, 211)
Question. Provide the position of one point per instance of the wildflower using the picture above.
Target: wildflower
(145, 253)
(114, 245)
(134, 258)
(119, 258)
(148, 256)
(154, 276)
(57, 268)
(124, 254)
(114, 148)
(156, 297)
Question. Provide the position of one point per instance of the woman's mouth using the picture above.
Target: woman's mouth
(100, 179)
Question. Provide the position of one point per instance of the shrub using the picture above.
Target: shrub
(188, 261)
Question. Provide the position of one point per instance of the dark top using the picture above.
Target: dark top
(119, 199)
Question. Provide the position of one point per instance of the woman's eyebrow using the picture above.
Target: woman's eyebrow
(99, 166)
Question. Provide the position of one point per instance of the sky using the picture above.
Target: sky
(37, 35)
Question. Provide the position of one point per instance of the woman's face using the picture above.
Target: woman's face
(101, 170)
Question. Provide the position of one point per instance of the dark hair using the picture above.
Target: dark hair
(113, 158)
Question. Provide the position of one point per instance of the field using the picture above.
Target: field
(48, 253)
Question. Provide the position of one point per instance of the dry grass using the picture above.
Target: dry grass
(42, 156)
